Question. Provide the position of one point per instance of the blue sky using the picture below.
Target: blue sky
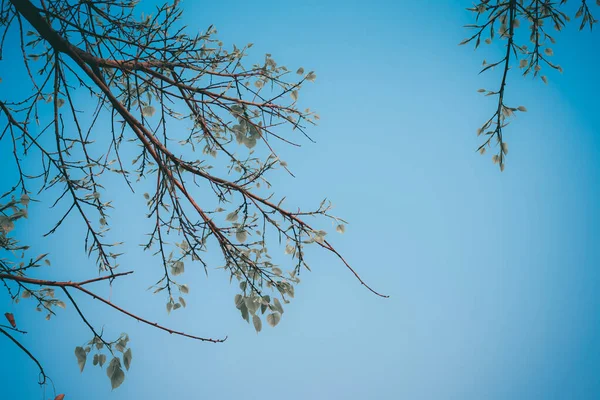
(492, 276)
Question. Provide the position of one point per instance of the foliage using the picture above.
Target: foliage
(202, 122)
(502, 19)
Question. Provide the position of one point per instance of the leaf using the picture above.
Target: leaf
(232, 216)
(95, 360)
(257, 323)
(182, 301)
(11, 319)
(300, 71)
(25, 199)
(101, 359)
(177, 268)
(277, 305)
(244, 311)
(250, 142)
(294, 95)
(319, 238)
(241, 235)
(504, 147)
(523, 63)
(239, 301)
(148, 111)
(340, 228)
(6, 224)
(60, 102)
(59, 397)
(115, 373)
(127, 359)
(251, 305)
(545, 79)
(311, 76)
(289, 249)
(81, 357)
(273, 319)
(521, 108)
(184, 289)
(276, 271)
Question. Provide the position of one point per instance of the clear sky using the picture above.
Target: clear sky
(492, 277)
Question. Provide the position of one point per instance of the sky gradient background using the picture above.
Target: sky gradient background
(493, 277)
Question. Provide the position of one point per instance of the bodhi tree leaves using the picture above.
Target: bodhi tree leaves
(206, 130)
(114, 371)
(527, 29)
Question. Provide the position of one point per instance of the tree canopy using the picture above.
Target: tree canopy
(528, 48)
(186, 115)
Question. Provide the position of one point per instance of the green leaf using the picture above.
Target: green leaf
(177, 268)
(273, 319)
(6, 224)
(115, 373)
(241, 235)
(81, 357)
(251, 305)
(232, 216)
(320, 236)
(244, 311)
(257, 323)
(277, 305)
(239, 301)
(250, 142)
(127, 359)
(148, 111)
